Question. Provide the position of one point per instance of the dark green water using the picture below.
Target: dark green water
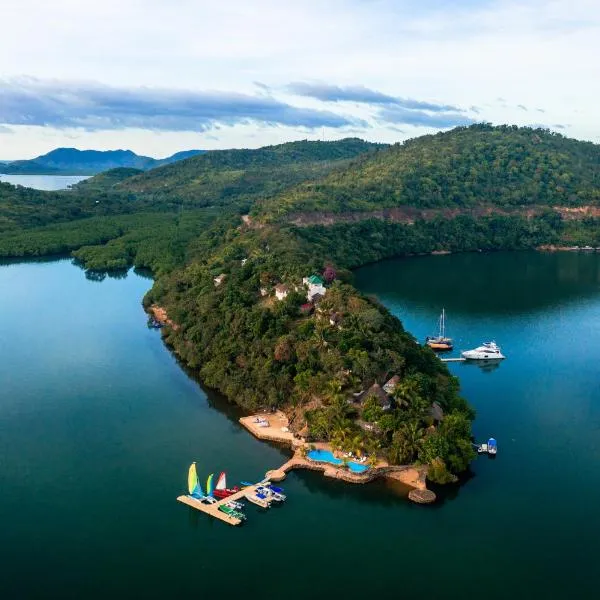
(98, 424)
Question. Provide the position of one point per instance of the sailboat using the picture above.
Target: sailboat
(209, 485)
(221, 490)
(193, 483)
(440, 342)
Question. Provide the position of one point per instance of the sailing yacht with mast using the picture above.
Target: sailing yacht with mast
(440, 343)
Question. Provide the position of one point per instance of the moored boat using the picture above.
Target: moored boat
(221, 490)
(226, 492)
(492, 446)
(487, 351)
(440, 343)
(232, 512)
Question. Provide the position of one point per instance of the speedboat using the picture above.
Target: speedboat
(487, 351)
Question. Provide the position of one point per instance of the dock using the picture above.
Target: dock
(453, 359)
(213, 509)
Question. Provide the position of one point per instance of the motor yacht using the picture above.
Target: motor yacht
(487, 351)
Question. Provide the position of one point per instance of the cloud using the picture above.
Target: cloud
(94, 106)
(522, 107)
(4, 129)
(419, 118)
(361, 94)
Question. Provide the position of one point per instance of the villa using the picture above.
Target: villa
(281, 291)
(315, 286)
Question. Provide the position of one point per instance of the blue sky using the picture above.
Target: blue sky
(160, 76)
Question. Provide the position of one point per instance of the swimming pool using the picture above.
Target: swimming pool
(327, 456)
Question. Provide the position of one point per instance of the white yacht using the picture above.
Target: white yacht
(487, 351)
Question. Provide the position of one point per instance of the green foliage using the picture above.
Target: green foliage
(372, 410)
(468, 166)
(183, 221)
(227, 177)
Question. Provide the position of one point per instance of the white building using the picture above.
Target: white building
(281, 291)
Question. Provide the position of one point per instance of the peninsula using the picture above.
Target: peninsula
(252, 252)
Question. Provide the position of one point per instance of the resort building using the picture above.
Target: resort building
(376, 391)
(315, 286)
(390, 385)
(219, 279)
(281, 291)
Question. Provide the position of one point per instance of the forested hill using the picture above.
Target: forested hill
(224, 176)
(89, 162)
(504, 166)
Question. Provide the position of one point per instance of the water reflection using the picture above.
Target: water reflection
(476, 283)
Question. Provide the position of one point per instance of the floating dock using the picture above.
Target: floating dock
(213, 509)
(453, 359)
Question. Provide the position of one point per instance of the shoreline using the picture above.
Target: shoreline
(278, 431)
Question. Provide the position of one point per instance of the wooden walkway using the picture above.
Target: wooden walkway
(213, 509)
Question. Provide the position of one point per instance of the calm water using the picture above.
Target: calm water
(44, 182)
(98, 424)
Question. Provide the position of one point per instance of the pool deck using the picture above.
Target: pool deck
(276, 432)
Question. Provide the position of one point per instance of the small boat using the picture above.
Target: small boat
(221, 490)
(492, 446)
(208, 500)
(226, 492)
(194, 488)
(259, 499)
(232, 512)
(440, 343)
(487, 351)
(235, 505)
(267, 492)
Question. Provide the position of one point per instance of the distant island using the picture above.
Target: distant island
(252, 253)
(70, 161)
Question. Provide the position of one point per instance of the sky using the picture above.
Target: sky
(159, 76)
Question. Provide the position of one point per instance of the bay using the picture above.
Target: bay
(44, 182)
(98, 423)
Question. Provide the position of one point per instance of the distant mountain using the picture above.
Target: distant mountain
(89, 162)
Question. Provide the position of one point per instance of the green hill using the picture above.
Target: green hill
(221, 177)
(503, 166)
(476, 188)
(106, 180)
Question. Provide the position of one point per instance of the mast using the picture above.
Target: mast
(443, 324)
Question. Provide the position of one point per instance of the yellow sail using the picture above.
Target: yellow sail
(209, 483)
(192, 478)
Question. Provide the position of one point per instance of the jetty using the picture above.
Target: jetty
(459, 359)
(213, 509)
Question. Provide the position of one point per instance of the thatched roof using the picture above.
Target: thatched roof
(377, 392)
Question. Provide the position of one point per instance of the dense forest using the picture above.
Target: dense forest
(468, 166)
(225, 177)
(215, 230)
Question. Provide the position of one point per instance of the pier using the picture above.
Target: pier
(453, 359)
(213, 509)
